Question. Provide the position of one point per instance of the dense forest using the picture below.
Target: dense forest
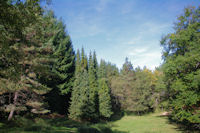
(41, 74)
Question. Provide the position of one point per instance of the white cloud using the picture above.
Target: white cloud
(102, 4)
(137, 51)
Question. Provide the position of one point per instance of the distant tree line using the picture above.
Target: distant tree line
(40, 73)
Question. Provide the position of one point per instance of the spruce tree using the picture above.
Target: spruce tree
(25, 55)
(102, 70)
(80, 108)
(64, 66)
(93, 99)
(105, 107)
(84, 61)
(86, 106)
(104, 94)
(74, 109)
(95, 64)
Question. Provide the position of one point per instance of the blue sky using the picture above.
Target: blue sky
(116, 29)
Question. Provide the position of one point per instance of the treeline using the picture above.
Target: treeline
(41, 74)
(139, 90)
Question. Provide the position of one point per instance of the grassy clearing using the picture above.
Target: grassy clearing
(151, 123)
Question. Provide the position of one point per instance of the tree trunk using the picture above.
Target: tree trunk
(13, 108)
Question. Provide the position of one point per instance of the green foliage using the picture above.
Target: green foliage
(93, 84)
(90, 98)
(25, 55)
(138, 90)
(75, 107)
(81, 107)
(105, 107)
(182, 67)
(63, 67)
(84, 61)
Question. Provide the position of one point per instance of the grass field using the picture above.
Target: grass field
(151, 123)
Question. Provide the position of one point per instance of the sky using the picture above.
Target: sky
(117, 29)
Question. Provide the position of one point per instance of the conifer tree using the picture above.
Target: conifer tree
(74, 109)
(86, 106)
(105, 107)
(95, 63)
(93, 88)
(64, 65)
(84, 61)
(102, 70)
(25, 55)
(80, 108)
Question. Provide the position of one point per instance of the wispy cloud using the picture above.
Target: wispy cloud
(101, 5)
(121, 28)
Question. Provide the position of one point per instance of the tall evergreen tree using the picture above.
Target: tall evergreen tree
(84, 61)
(25, 55)
(81, 106)
(64, 65)
(102, 70)
(95, 63)
(93, 98)
(104, 93)
(74, 109)
(105, 107)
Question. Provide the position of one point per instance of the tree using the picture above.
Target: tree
(104, 93)
(102, 70)
(75, 106)
(122, 87)
(64, 66)
(93, 84)
(81, 107)
(127, 67)
(24, 56)
(182, 67)
(105, 107)
(134, 89)
(84, 61)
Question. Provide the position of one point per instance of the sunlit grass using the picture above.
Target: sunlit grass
(151, 123)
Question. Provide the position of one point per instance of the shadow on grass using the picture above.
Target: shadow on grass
(180, 126)
(57, 125)
(117, 116)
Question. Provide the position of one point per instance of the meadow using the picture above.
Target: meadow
(149, 123)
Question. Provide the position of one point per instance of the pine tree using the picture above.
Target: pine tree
(74, 109)
(102, 70)
(25, 55)
(78, 63)
(80, 108)
(95, 63)
(64, 65)
(93, 98)
(84, 61)
(86, 106)
(105, 107)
